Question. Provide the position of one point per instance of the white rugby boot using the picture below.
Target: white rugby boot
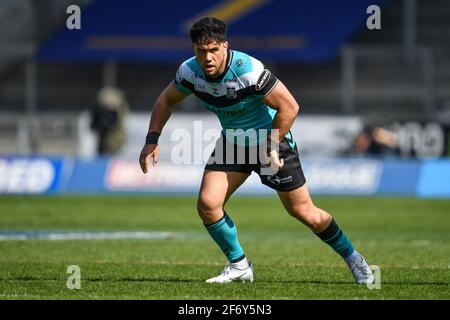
(234, 272)
(359, 268)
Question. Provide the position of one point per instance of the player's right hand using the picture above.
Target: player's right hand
(275, 162)
(148, 151)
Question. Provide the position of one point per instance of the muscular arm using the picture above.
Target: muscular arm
(287, 108)
(163, 107)
(162, 110)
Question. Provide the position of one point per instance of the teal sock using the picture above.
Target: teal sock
(336, 239)
(224, 233)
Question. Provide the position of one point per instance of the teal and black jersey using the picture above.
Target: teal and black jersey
(236, 96)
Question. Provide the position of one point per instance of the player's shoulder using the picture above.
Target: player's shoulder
(189, 68)
(244, 64)
(247, 68)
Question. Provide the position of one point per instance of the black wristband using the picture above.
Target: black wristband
(152, 138)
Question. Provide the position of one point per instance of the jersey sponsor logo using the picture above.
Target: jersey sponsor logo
(226, 113)
(263, 80)
(239, 62)
(199, 86)
(215, 89)
(231, 93)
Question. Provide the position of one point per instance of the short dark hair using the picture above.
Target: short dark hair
(207, 30)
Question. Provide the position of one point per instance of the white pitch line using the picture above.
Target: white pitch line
(82, 235)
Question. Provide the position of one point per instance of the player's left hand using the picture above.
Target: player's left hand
(148, 151)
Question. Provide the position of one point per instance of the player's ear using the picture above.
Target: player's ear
(225, 45)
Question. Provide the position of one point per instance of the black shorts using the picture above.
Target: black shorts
(247, 159)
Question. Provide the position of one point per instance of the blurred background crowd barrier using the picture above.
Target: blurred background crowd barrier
(375, 104)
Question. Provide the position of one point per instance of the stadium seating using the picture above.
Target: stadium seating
(383, 84)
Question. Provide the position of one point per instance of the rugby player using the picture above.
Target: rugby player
(244, 95)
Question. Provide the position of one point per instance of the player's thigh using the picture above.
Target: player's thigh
(217, 187)
(297, 202)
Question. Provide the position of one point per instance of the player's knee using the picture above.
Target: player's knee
(207, 208)
(202, 207)
(317, 220)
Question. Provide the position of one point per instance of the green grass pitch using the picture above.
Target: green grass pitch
(409, 239)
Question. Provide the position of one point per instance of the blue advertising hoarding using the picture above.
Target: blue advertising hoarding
(33, 175)
(40, 175)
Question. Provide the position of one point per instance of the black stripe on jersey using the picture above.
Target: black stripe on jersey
(187, 84)
(224, 101)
